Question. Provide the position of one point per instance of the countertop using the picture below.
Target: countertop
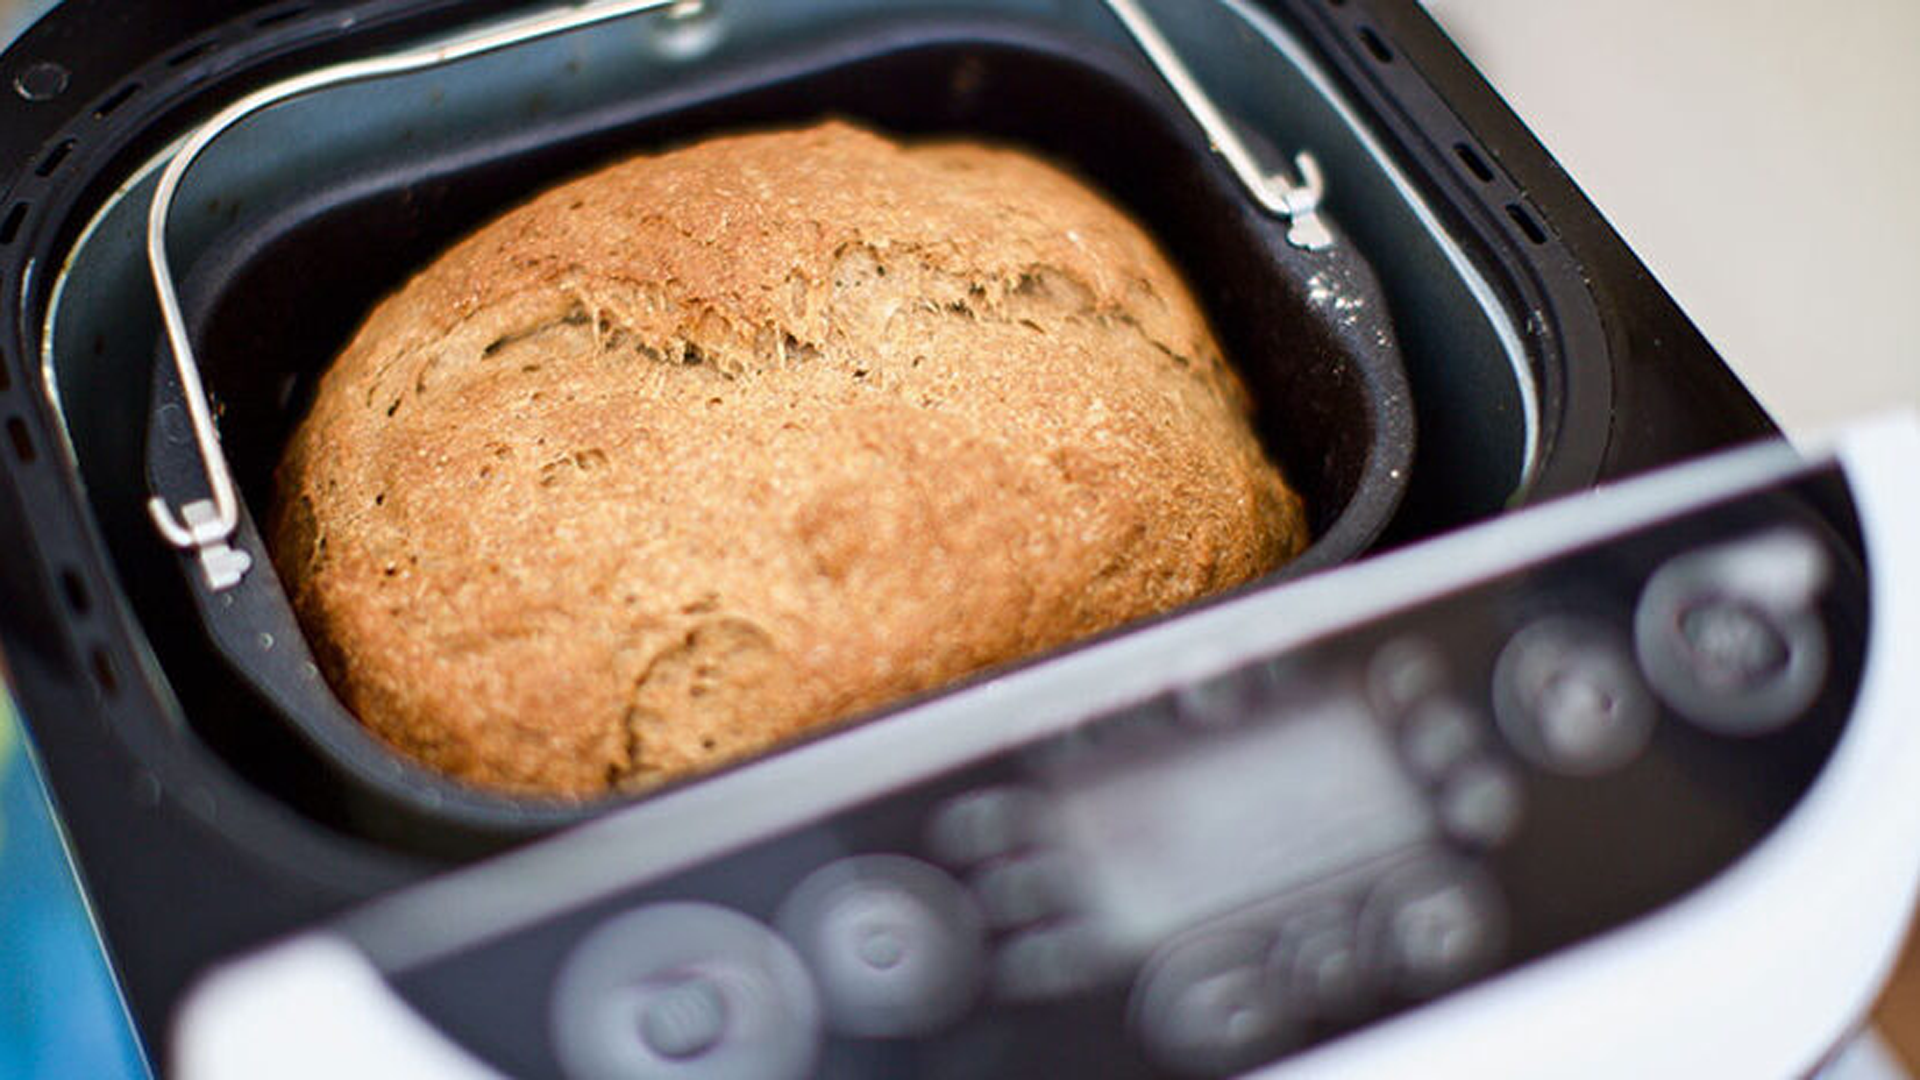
(1758, 155)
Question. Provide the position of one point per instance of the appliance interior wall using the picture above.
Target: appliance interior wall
(1473, 393)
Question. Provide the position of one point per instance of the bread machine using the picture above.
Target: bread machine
(1542, 781)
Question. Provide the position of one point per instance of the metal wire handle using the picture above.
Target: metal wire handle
(1298, 203)
(205, 525)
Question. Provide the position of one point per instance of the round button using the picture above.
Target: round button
(1022, 891)
(1209, 1005)
(684, 991)
(1403, 672)
(1046, 963)
(894, 944)
(1730, 636)
(984, 824)
(1433, 925)
(1568, 698)
(1439, 735)
(1480, 804)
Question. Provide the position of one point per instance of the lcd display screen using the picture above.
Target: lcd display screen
(1232, 818)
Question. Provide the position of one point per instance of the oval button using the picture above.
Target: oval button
(1730, 636)
(1569, 699)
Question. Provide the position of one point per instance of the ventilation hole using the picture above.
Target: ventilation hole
(22, 442)
(1527, 225)
(1474, 162)
(53, 159)
(103, 672)
(10, 228)
(275, 18)
(6, 380)
(1376, 45)
(191, 52)
(78, 601)
(120, 97)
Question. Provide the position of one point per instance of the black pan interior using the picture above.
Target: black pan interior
(281, 289)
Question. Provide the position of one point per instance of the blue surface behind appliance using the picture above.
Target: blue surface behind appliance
(61, 1014)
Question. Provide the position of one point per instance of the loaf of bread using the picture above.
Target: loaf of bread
(710, 447)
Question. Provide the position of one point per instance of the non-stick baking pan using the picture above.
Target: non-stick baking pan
(272, 299)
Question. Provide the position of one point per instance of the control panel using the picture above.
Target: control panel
(1249, 859)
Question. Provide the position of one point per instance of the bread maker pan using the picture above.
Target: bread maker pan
(295, 221)
(1307, 326)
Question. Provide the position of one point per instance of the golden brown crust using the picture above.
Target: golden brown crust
(702, 449)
